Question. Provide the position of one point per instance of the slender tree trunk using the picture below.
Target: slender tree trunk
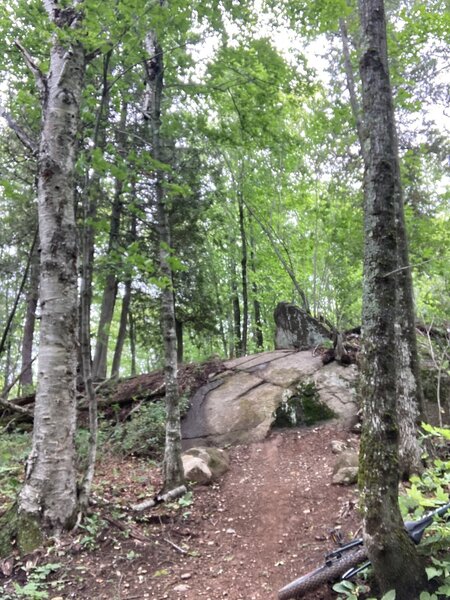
(258, 332)
(351, 81)
(410, 404)
(132, 336)
(392, 553)
(12, 312)
(122, 334)
(86, 366)
(48, 498)
(219, 309)
(91, 192)
(126, 301)
(244, 276)
(179, 336)
(173, 468)
(100, 364)
(409, 389)
(237, 345)
(287, 263)
(26, 377)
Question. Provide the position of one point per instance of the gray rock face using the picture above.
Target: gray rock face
(239, 405)
(336, 386)
(296, 329)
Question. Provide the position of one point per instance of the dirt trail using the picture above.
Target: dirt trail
(269, 520)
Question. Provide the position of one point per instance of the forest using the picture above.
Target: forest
(170, 172)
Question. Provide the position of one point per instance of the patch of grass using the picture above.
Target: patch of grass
(14, 449)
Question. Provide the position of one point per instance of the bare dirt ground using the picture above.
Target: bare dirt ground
(270, 519)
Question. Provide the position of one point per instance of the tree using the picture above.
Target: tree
(48, 499)
(173, 468)
(395, 560)
(409, 389)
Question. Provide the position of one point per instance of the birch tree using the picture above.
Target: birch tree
(392, 553)
(48, 499)
(154, 65)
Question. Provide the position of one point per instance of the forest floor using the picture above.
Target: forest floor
(270, 519)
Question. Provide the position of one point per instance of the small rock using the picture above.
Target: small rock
(231, 531)
(186, 575)
(181, 588)
(346, 476)
(337, 446)
(349, 458)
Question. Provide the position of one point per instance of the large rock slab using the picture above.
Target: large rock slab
(239, 405)
(254, 361)
(297, 329)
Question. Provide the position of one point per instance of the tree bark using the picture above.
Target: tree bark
(237, 345)
(48, 499)
(121, 336)
(91, 192)
(132, 336)
(409, 389)
(172, 467)
(12, 312)
(26, 377)
(258, 332)
(179, 336)
(100, 364)
(244, 277)
(393, 555)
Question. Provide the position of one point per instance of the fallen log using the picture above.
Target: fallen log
(160, 498)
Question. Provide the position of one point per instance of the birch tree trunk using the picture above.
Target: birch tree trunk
(392, 553)
(48, 499)
(173, 468)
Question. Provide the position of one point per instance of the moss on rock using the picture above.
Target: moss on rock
(17, 531)
(303, 407)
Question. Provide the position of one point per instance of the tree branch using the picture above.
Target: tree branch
(41, 80)
(23, 136)
(10, 405)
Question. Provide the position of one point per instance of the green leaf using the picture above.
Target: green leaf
(390, 595)
(344, 587)
(433, 572)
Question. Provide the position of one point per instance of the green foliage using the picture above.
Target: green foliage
(349, 590)
(35, 588)
(14, 448)
(144, 433)
(92, 526)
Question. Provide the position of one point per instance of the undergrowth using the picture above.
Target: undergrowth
(14, 448)
(424, 494)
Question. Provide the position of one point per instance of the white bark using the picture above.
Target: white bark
(49, 492)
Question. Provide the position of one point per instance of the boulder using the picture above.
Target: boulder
(296, 329)
(204, 465)
(240, 405)
(336, 385)
(346, 476)
(196, 470)
(215, 458)
(345, 470)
